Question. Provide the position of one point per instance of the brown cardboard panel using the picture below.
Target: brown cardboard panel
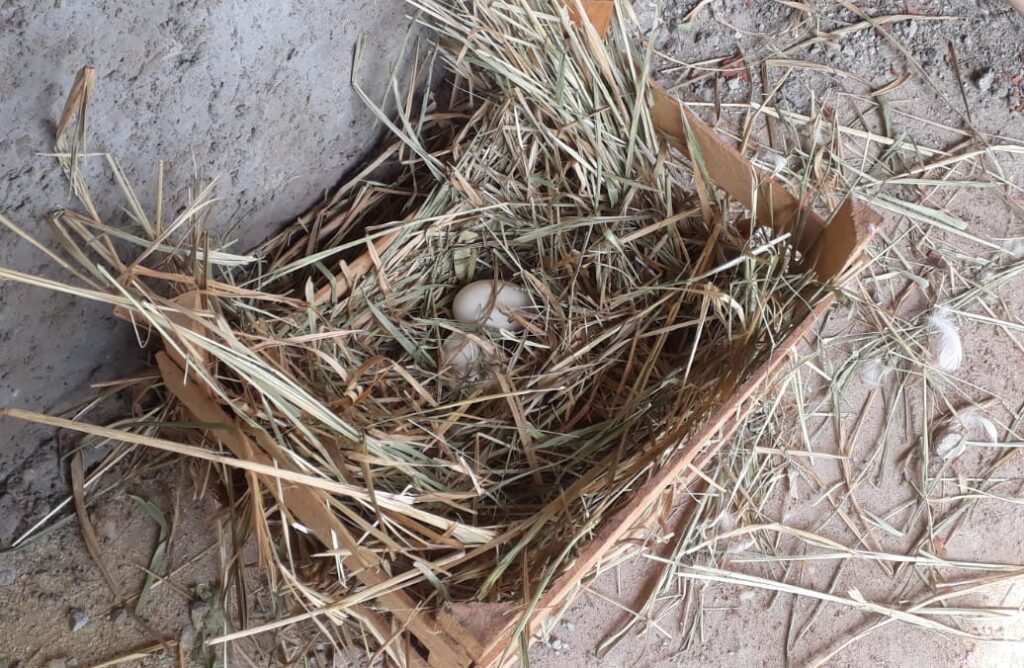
(475, 624)
(676, 471)
(843, 241)
(599, 13)
(828, 248)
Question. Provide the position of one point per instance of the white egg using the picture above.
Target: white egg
(461, 357)
(474, 305)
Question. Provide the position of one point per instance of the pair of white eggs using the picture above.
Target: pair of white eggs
(487, 303)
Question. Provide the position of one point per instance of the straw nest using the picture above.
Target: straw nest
(651, 298)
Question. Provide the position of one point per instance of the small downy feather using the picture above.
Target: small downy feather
(726, 521)
(741, 545)
(973, 421)
(872, 371)
(949, 351)
(949, 438)
(947, 443)
(1014, 247)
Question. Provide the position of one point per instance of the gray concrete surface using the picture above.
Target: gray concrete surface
(254, 93)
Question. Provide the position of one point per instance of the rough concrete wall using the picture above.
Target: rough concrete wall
(254, 93)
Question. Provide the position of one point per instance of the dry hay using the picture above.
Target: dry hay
(653, 297)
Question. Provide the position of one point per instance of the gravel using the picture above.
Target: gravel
(79, 620)
(984, 80)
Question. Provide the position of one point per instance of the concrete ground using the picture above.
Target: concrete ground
(254, 94)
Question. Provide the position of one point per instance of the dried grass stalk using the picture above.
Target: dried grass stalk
(653, 296)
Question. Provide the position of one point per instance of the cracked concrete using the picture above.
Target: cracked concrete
(256, 94)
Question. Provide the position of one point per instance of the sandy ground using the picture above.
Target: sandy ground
(44, 585)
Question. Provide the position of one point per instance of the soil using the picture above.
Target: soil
(975, 61)
(57, 608)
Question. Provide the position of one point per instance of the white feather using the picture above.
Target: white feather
(741, 545)
(949, 351)
(872, 371)
(947, 442)
(949, 439)
(727, 521)
(1014, 247)
(972, 420)
(779, 163)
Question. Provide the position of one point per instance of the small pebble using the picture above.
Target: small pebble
(199, 610)
(6, 580)
(119, 616)
(187, 639)
(984, 80)
(78, 620)
(734, 84)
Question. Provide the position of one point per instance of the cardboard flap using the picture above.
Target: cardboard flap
(599, 13)
(828, 248)
(475, 625)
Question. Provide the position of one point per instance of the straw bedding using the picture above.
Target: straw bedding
(652, 297)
